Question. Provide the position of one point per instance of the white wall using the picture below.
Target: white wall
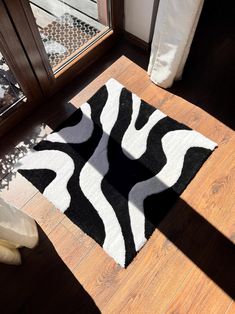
(138, 18)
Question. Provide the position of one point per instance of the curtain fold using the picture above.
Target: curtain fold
(16, 230)
(173, 34)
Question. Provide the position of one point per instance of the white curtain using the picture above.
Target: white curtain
(16, 230)
(173, 34)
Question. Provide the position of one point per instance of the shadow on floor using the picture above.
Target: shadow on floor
(202, 243)
(209, 77)
(42, 284)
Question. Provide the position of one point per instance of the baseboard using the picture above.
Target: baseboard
(137, 41)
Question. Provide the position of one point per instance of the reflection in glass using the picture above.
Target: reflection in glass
(10, 91)
(66, 26)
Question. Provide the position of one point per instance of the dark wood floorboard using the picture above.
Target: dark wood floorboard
(209, 76)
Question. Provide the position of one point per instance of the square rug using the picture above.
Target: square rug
(116, 167)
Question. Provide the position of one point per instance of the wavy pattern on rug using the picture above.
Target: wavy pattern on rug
(119, 165)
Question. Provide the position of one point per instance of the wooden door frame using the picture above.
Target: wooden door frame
(30, 64)
(15, 57)
(31, 40)
(14, 54)
(103, 12)
(27, 31)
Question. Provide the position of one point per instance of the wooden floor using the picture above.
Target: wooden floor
(208, 79)
(187, 266)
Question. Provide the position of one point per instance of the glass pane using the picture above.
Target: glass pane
(66, 26)
(10, 91)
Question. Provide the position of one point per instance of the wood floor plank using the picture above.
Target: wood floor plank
(98, 274)
(45, 213)
(202, 294)
(70, 247)
(155, 95)
(16, 190)
(231, 308)
(86, 242)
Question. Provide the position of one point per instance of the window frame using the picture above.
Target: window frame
(18, 22)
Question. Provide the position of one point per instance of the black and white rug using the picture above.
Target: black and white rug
(116, 167)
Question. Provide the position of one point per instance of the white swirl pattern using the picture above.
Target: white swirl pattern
(62, 165)
(93, 172)
(134, 142)
(175, 145)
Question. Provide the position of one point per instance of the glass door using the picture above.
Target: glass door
(46, 43)
(67, 27)
(10, 91)
(62, 37)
